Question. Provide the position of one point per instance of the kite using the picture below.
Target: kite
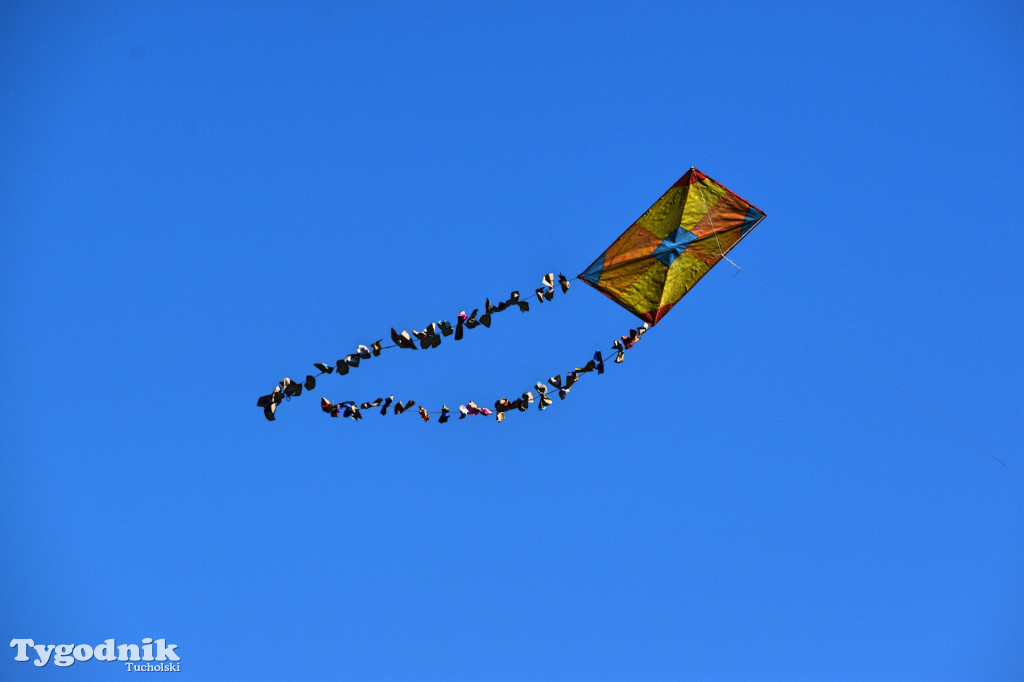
(647, 270)
(670, 247)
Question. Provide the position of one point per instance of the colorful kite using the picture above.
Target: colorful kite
(670, 247)
(646, 270)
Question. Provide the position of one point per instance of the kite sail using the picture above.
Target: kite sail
(670, 247)
(652, 265)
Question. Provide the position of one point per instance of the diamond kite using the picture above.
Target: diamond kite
(670, 247)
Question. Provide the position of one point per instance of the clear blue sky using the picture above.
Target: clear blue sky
(198, 199)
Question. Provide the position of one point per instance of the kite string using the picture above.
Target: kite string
(952, 426)
(874, 368)
(714, 231)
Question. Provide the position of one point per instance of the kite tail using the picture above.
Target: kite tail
(350, 409)
(429, 337)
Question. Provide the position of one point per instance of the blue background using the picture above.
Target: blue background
(197, 201)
